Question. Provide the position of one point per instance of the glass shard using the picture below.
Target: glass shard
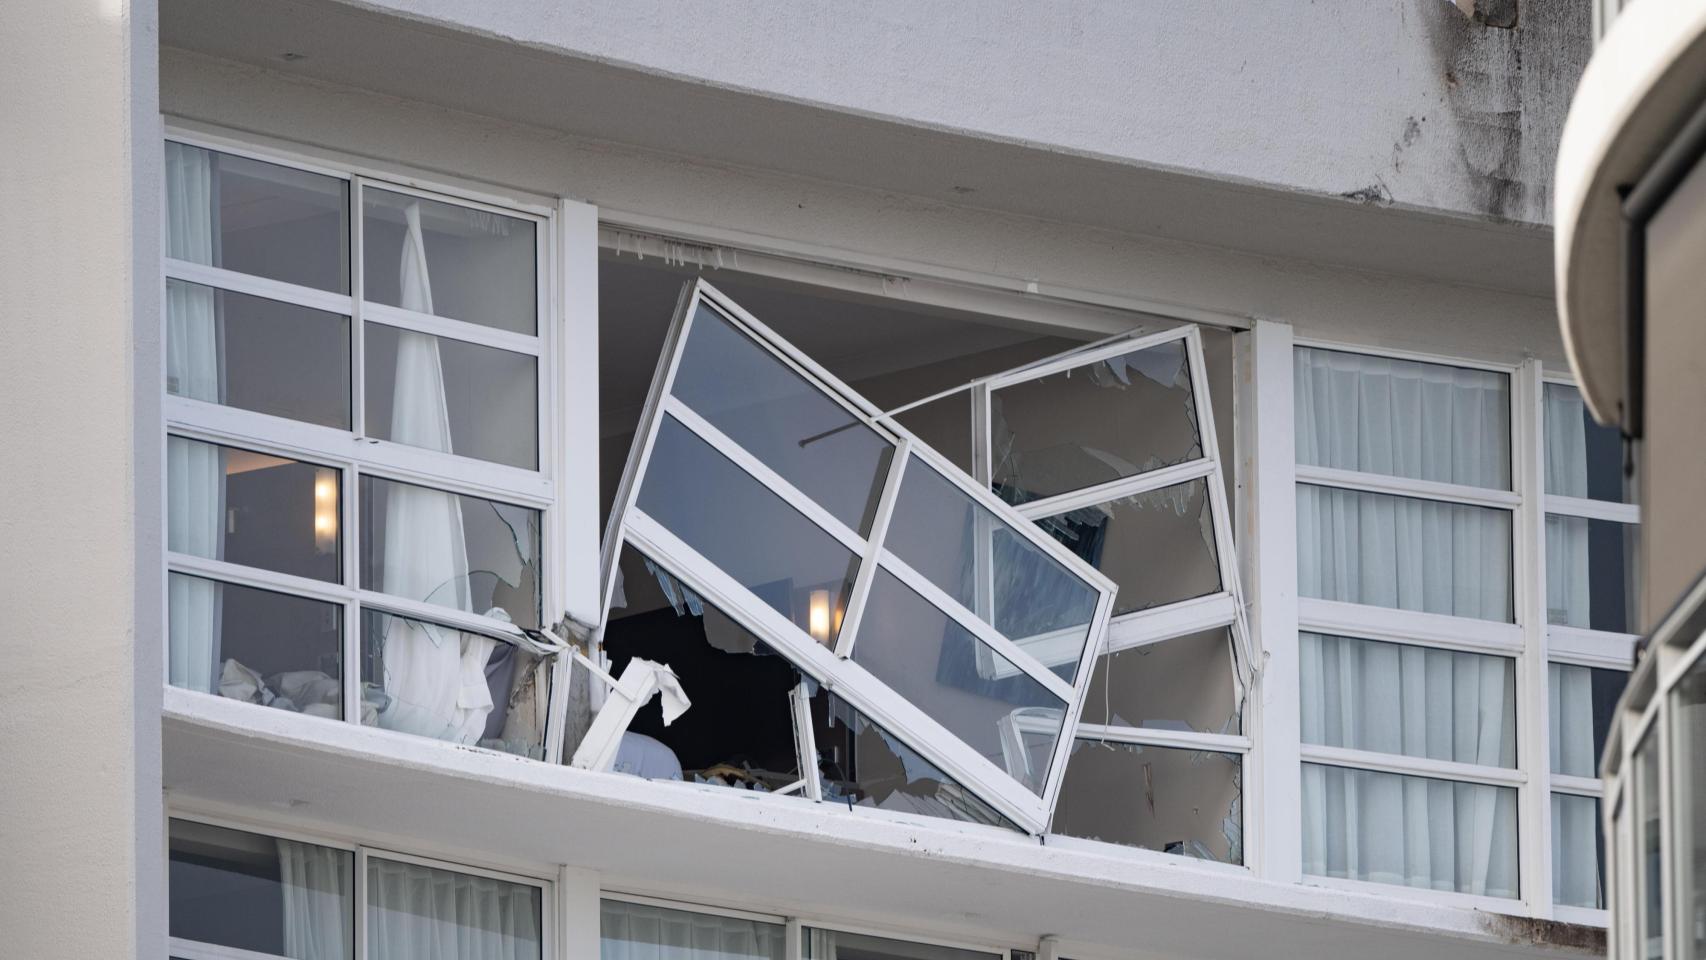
(1186, 802)
(1096, 423)
(740, 730)
(1157, 546)
(452, 550)
(439, 682)
(1184, 683)
(749, 532)
(930, 659)
(978, 559)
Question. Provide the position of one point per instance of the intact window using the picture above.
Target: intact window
(361, 491)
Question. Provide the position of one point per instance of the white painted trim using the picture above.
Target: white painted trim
(446, 328)
(1528, 577)
(181, 949)
(1273, 783)
(1591, 648)
(1418, 356)
(255, 286)
(1049, 305)
(1015, 654)
(332, 447)
(867, 574)
(1405, 487)
(1161, 737)
(1171, 620)
(1412, 766)
(576, 466)
(1429, 898)
(1118, 489)
(1578, 786)
(1075, 358)
(1407, 626)
(760, 473)
(1593, 509)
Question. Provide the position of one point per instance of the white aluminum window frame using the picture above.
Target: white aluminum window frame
(795, 924)
(544, 881)
(1578, 646)
(1519, 640)
(546, 489)
(1223, 608)
(835, 669)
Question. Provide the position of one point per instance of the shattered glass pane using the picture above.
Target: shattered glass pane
(435, 681)
(1158, 546)
(752, 534)
(782, 419)
(864, 765)
(451, 550)
(963, 684)
(1187, 802)
(1104, 421)
(1184, 683)
(978, 559)
(740, 730)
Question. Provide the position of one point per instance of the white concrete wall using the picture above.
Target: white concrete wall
(1321, 301)
(80, 830)
(1390, 101)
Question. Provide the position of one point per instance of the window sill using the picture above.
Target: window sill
(693, 841)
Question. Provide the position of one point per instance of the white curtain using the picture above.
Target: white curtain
(1575, 829)
(317, 896)
(195, 471)
(1429, 422)
(1567, 595)
(1414, 701)
(423, 913)
(632, 931)
(435, 677)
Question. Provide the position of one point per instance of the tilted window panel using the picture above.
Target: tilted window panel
(930, 607)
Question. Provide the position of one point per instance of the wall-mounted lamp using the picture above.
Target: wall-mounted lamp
(325, 510)
(817, 616)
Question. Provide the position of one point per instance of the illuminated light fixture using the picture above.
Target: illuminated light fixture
(325, 510)
(817, 616)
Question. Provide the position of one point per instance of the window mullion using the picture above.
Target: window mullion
(358, 289)
(867, 574)
(1534, 797)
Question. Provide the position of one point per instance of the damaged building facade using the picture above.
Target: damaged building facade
(718, 484)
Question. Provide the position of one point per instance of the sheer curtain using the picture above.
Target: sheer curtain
(317, 891)
(435, 676)
(635, 931)
(196, 471)
(1430, 422)
(424, 913)
(1575, 827)
(1567, 594)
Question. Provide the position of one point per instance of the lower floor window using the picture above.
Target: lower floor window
(1409, 830)
(235, 890)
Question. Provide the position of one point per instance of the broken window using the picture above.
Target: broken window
(1112, 450)
(954, 634)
